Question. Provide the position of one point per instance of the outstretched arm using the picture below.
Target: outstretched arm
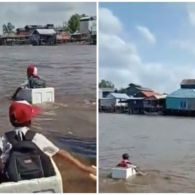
(68, 157)
(50, 149)
(16, 92)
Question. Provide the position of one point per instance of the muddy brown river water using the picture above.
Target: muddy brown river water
(163, 147)
(71, 121)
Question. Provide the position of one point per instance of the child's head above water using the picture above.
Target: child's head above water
(125, 156)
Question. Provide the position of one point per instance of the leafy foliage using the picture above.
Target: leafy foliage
(9, 28)
(106, 84)
(73, 23)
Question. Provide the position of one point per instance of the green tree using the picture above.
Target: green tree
(122, 90)
(8, 28)
(106, 84)
(73, 23)
(65, 27)
(83, 15)
(5, 30)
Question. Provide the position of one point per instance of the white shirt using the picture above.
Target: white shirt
(40, 140)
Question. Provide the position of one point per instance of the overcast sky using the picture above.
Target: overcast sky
(152, 44)
(21, 14)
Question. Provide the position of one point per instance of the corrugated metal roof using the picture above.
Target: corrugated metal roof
(86, 18)
(160, 96)
(139, 87)
(119, 95)
(144, 89)
(188, 82)
(46, 31)
(135, 98)
(106, 98)
(150, 93)
(183, 93)
(106, 89)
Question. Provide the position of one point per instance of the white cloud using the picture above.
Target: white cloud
(121, 63)
(23, 13)
(191, 13)
(185, 45)
(147, 34)
(108, 22)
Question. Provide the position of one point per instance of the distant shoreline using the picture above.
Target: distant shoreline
(68, 43)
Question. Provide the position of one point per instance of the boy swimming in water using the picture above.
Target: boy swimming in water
(33, 81)
(125, 161)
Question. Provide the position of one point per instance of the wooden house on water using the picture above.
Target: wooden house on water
(182, 101)
(153, 101)
(134, 89)
(43, 37)
(135, 105)
(114, 102)
(146, 102)
(103, 92)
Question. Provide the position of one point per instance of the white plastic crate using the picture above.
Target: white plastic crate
(123, 173)
(37, 96)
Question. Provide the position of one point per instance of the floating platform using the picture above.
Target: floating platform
(51, 184)
(123, 173)
(37, 96)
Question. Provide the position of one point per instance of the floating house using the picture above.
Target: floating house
(152, 101)
(146, 102)
(114, 102)
(88, 27)
(31, 28)
(22, 35)
(134, 89)
(14, 39)
(87, 30)
(103, 92)
(43, 37)
(135, 105)
(182, 101)
(63, 37)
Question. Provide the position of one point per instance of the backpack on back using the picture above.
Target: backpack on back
(36, 82)
(26, 160)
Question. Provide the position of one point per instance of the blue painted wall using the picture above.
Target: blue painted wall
(177, 103)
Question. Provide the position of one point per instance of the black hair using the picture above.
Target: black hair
(15, 124)
(125, 156)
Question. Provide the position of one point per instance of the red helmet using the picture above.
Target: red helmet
(22, 111)
(31, 70)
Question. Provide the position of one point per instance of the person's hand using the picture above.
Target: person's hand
(90, 170)
(92, 175)
(93, 169)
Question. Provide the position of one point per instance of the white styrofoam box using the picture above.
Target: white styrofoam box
(41, 95)
(123, 173)
(38, 95)
(51, 184)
